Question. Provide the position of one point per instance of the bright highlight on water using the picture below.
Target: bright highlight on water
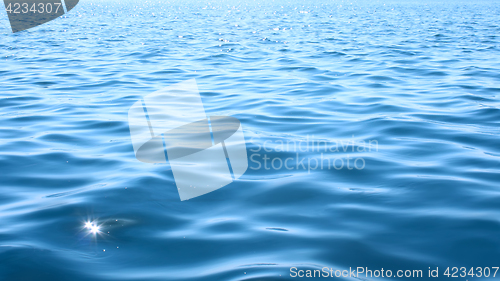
(92, 227)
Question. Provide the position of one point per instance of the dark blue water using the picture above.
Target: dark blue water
(412, 89)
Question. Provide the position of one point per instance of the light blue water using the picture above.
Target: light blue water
(422, 80)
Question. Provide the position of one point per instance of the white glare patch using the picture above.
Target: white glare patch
(92, 227)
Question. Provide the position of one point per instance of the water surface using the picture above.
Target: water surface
(421, 79)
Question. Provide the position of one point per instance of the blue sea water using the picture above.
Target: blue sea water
(417, 82)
